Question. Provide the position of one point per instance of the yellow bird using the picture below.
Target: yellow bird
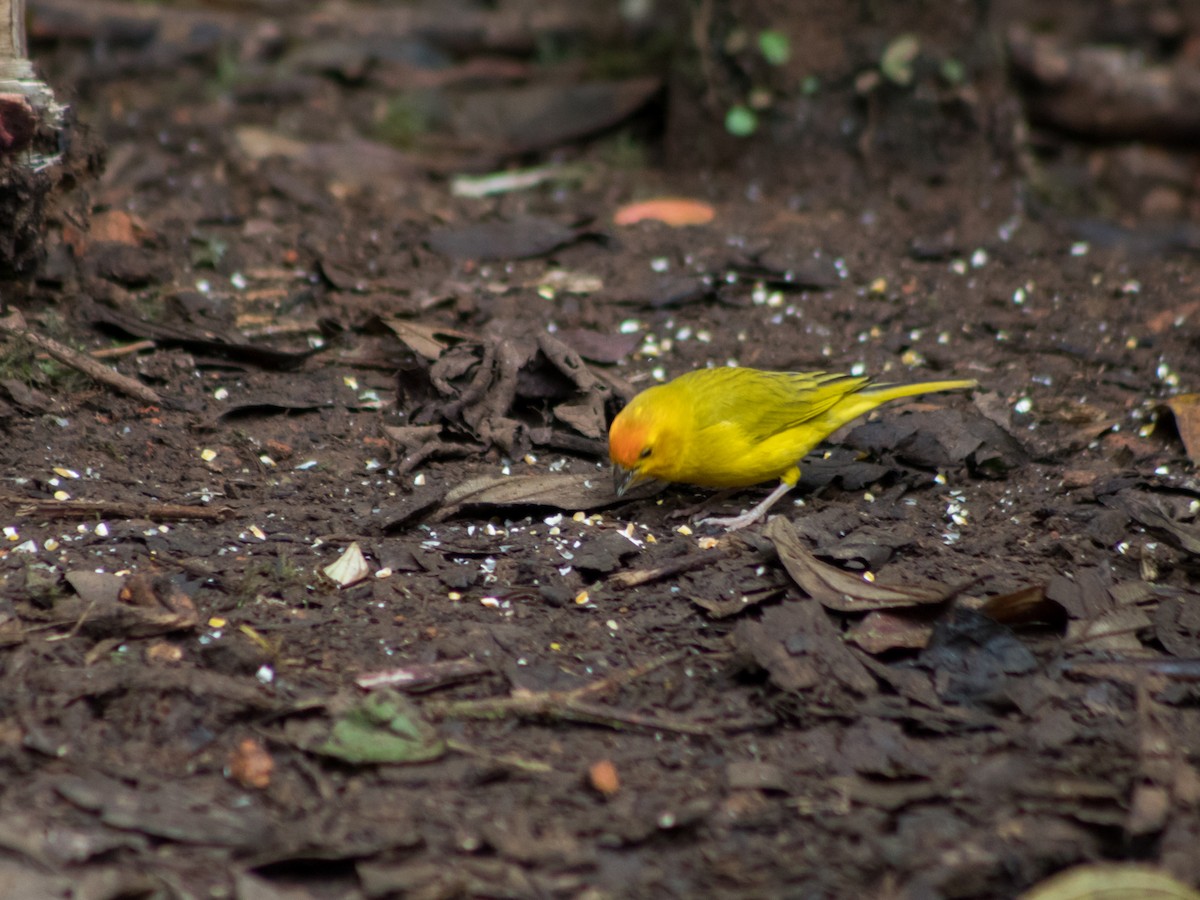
(735, 427)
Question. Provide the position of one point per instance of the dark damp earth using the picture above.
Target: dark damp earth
(960, 659)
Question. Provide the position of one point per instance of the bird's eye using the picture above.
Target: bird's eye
(645, 454)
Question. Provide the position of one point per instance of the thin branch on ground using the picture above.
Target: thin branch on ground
(14, 326)
(113, 509)
(572, 705)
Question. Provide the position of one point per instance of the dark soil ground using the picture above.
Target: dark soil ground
(962, 658)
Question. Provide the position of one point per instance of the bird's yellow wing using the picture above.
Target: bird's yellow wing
(752, 426)
(762, 404)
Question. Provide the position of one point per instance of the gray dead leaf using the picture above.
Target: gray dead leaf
(522, 238)
(140, 606)
(833, 588)
(96, 587)
(600, 346)
(565, 492)
(798, 646)
(1150, 512)
(585, 415)
(169, 811)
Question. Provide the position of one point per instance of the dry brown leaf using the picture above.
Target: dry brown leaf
(879, 632)
(833, 588)
(1023, 606)
(1186, 409)
(427, 340)
(585, 415)
(1116, 629)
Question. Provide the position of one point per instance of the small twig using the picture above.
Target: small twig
(14, 326)
(74, 628)
(572, 705)
(113, 509)
(504, 759)
(423, 676)
(687, 563)
(124, 350)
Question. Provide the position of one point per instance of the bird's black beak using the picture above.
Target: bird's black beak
(624, 479)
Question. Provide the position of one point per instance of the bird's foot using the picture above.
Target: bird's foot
(750, 516)
(733, 523)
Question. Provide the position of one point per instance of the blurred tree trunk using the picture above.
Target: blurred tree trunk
(31, 124)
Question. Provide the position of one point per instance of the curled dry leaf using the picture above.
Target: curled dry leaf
(673, 211)
(1020, 607)
(835, 589)
(349, 568)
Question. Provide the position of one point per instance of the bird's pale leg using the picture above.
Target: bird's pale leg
(733, 523)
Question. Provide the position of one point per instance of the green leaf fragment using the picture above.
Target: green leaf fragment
(383, 729)
(774, 46)
(741, 121)
(898, 58)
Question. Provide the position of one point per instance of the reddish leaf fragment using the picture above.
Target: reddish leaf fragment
(879, 632)
(603, 778)
(251, 764)
(674, 211)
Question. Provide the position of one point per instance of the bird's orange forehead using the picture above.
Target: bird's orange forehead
(626, 439)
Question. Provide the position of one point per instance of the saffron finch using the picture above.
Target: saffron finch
(735, 427)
